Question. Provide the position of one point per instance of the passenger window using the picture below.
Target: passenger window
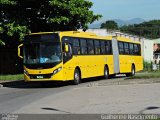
(137, 49)
(131, 49)
(76, 46)
(90, 47)
(97, 47)
(103, 50)
(108, 47)
(83, 46)
(121, 48)
(126, 48)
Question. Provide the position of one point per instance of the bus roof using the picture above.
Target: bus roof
(84, 35)
(124, 39)
(87, 35)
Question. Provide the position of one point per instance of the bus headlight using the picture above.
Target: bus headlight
(25, 72)
(57, 70)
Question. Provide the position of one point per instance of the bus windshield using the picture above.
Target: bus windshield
(41, 53)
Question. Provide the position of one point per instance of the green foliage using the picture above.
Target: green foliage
(11, 77)
(150, 29)
(146, 75)
(8, 2)
(72, 14)
(110, 25)
(20, 17)
(147, 66)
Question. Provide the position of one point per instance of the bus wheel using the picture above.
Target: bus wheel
(133, 71)
(106, 73)
(77, 77)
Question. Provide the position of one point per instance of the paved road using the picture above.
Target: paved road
(104, 96)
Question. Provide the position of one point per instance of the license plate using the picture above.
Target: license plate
(39, 77)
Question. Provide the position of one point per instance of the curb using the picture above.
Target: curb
(123, 82)
(11, 83)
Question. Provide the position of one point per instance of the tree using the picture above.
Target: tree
(150, 29)
(110, 25)
(18, 17)
(21, 16)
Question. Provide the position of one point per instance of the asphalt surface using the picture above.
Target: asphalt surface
(95, 96)
(17, 94)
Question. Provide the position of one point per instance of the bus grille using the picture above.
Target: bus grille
(41, 76)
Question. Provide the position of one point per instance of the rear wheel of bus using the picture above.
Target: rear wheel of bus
(133, 71)
(106, 72)
(77, 77)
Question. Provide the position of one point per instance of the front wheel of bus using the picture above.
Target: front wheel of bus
(106, 73)
(77, 77)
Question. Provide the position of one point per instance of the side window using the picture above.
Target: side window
(126, 48)
(83, 46)
(90, 47)
(76, 46)
(97, 47)
(137, 49)
(103, 50)
(108, 47)
(66, 40)
(121, 48)
(67, 55)
(131, 49)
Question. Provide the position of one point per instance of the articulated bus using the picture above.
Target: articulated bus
(73, 55)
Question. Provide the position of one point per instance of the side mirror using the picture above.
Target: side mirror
(19, 50)
(66, 48)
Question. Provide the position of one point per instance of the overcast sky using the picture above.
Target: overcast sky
(127, 9)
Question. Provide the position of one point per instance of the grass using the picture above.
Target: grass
(11, 77)
(146, 75)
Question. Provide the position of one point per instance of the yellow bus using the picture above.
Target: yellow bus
(73, 55)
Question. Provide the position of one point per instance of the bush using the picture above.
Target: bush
(147, 66)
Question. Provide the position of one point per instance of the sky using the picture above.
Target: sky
(127, 9)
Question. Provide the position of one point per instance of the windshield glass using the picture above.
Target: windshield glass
(41, 53)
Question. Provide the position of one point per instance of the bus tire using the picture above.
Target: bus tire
(133, 70)
(77, 77)
(106, 73)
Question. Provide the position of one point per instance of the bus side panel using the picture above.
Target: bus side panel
(138, 61)
(110, 63)
(121, 57)
(90, 66)
(68, 68)
(124, 63)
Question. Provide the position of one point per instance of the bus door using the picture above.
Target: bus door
(68, 65)
(115, 55)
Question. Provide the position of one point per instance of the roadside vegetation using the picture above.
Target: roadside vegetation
(149, 29)
(21, 17)
(147, 72)
(146, 75)
(11, 77)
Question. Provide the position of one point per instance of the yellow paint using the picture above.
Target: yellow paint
(19, 54)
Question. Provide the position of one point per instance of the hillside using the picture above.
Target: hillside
(119, 22)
